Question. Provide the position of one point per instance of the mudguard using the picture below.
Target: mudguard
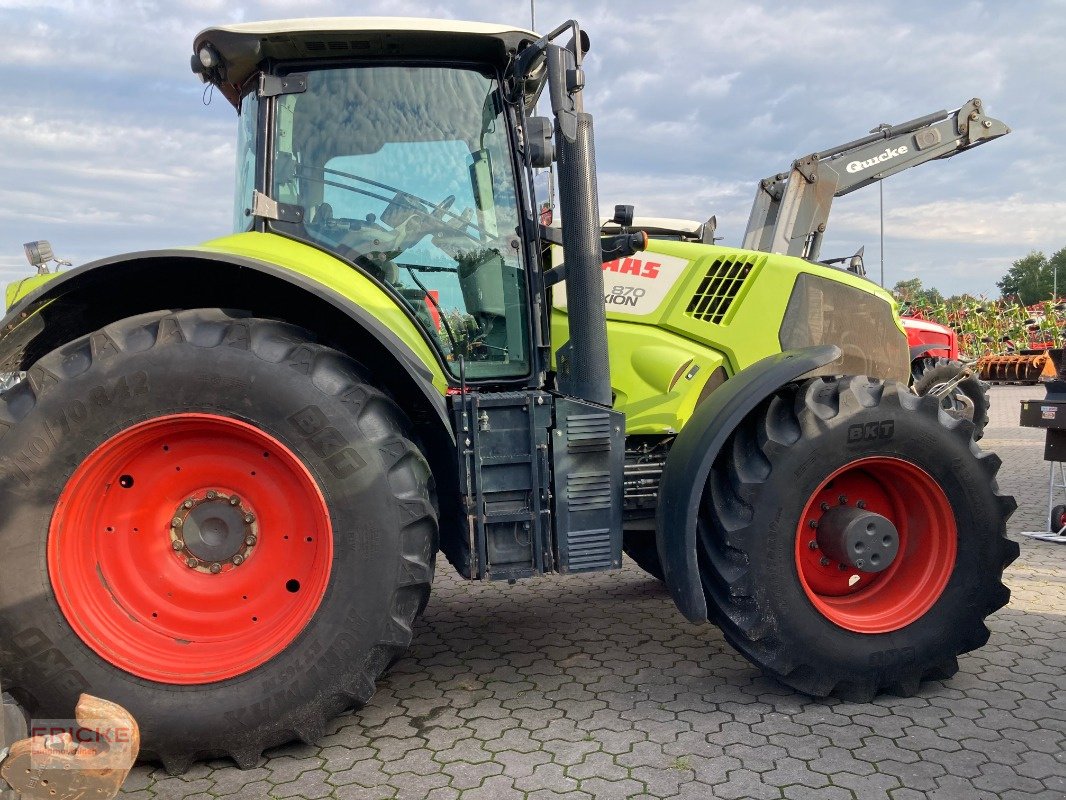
(694, 451)
(84, 299)
(919, 350)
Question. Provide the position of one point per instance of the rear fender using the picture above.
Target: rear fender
(694, 451)
(87, 298)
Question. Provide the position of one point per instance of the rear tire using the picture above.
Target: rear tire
(888, 630)
(968, 400)
(207, 385)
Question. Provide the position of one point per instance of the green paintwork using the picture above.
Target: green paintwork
(338, 277)
(332, 274)
(660, 361)
(19, 289)
(647, 351)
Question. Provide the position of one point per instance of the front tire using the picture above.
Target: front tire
(214, 522)
(788, 606)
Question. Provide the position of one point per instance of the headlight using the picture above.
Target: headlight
(862, 325)
(208, 57)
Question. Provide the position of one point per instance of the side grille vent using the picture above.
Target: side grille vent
(588, 432)
(589, 491)
(587, 448)
(590, 550)
(719, 287)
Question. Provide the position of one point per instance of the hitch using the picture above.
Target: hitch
(90, 762)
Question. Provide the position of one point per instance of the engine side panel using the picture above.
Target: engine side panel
(724, 308)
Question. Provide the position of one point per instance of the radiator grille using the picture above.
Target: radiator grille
(719, 287)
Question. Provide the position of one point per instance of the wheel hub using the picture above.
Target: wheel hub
(858, 538)
(213, 532)
(914, 538)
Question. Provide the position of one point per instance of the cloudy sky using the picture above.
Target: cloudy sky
(106, 144)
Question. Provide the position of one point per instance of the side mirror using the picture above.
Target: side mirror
(708, 230)
(539, 142)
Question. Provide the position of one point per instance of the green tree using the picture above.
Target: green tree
(911, 291)
(1031, 278)
(908, 291)
(1057, 263)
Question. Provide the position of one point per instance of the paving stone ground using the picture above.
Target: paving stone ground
(596, 688)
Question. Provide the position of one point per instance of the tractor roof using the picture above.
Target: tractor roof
(242, 48)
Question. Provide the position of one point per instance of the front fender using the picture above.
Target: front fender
(693, 453)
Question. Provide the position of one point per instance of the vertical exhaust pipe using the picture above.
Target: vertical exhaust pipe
(586, 371)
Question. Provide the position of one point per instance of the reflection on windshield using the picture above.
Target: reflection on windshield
(406, 172)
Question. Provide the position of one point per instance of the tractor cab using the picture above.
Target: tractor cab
(392, 144)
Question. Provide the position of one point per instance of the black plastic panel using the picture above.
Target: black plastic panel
(504, 478)
(588, 452)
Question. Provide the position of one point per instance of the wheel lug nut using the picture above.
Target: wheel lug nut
(212, 495)
(178, 545)
(813, 545)
(249, 518)
(249, 540)
(860, 563)
(216, 568)
(825, 506)
(843, 499)
(177, 522)
(190, 563)
(843, 567)
(238, 560)
(824, 562)
(188, 504)
(813, 524)
(235, 501)
(861, 504)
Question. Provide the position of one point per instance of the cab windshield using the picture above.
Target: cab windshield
(406, 172)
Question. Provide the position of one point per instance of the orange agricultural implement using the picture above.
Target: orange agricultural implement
(1027, 366)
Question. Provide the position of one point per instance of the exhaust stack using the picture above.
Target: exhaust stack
(584, 371)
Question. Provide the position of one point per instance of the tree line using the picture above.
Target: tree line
(1030, 280)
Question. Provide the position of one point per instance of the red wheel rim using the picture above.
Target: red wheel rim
(242, 506)
(881, 602)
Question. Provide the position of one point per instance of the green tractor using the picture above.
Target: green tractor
(226, 470)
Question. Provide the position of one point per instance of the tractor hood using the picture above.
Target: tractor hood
(229, 55)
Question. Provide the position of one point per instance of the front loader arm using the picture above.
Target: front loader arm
(791, 208)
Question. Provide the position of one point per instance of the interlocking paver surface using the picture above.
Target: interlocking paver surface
(595, 687)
